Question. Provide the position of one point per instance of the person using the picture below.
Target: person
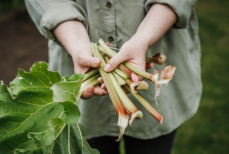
(139, 28)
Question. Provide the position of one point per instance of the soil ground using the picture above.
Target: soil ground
(21, 44)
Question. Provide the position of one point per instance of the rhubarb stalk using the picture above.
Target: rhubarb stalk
(126, 102)
(125, 69)
(158, 58)
(90, 74)
(128, 105)
(116, 70)
(122, 114)
(93, 81)
(147, 105)
(135, 86)
(120, 80)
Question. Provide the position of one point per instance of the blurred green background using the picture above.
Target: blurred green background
(8, 5)
(207, 131)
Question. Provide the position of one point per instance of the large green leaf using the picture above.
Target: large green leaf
(78, 142)
(68, 89)
(71, 113)
(38, 78)
(33, 113)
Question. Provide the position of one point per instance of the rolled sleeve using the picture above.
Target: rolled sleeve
(182, 8)
(48, 14)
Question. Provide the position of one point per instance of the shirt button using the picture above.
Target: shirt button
(110, 39)
(108, 4)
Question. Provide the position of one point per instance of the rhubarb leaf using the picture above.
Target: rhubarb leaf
(18, 119)
(67, 89)
(38, 77)
(32, 117)
(78, 142)
(71, 113)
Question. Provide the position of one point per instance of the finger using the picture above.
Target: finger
(100, 79)
(100, 91)
(85, 70)
(90, 61)
(78, 69)
(88, 93)
(134, 77)
(103, 86)
(115, 61)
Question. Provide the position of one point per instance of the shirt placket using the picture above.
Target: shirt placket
(109, 22)
(110, 36)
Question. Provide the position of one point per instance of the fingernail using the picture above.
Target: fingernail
(107, 67)
(96, 61)
(134, 77)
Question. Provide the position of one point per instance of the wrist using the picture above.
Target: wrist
(140, 41)
(73, 36)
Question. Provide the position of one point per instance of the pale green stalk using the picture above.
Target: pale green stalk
(147, 105)
(120, 80)
(90, 74)
(116, 70)
(126, 102)
(93, 81)
(117, 103)
(128, 105)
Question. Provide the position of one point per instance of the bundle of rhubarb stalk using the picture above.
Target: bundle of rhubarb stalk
(120, 79)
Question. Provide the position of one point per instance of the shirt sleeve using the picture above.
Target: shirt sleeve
(47, 14)
(182, 8)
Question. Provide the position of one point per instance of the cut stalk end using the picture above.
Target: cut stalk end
(123, 120)
(166, 75)
(122, 123)
(154, 77)
(142, 86)
(136, 115)
(158, 58)
(147, 105)
(121, 132)
(161, 121)
(135, 86)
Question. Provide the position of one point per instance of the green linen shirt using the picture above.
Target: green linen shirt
(118, 21)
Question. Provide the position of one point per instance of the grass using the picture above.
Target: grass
(206, 132)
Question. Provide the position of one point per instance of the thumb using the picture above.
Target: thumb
(114, 62)
(89, 61)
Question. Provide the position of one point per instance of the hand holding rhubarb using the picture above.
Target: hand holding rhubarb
(133, 51)
(74, 37)
(120, 77)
